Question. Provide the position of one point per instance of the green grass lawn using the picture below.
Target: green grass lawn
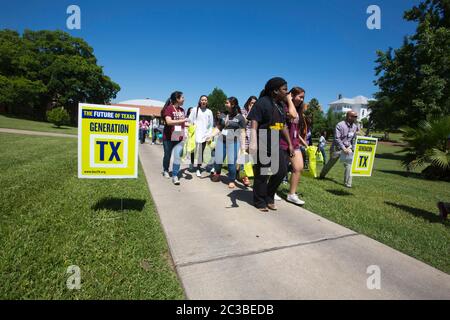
(22, 124)
(393, 136)
(391, 207)
(50, 219)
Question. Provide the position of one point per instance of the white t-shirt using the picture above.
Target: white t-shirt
(204, 123)
(322, 141)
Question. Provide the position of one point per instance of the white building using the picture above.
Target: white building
(358, 104)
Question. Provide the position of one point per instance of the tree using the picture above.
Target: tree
(58, 116)
(384, 116)
(315, 112)
(20, 95)
(414, 80)
(41, 69)
(428, 147)
(216, 100)
(332, 120)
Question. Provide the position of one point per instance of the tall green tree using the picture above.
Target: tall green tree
(414, 80)
(332, 119)
(216, 100)
(317, 117)
(50, 68)
(384, 116)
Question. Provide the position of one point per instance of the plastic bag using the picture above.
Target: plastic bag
(248, 167)
(319, 156)
(346, 158)
(191, 139)
(311, 151)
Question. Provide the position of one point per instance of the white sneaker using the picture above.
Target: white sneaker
(198, 173)
(166, 175)
(294, 199)
(213, 170)
(176, 181)
(277, 198)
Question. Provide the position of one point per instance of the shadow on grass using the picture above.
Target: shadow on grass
(403, 173)
(339, 192)
(389, 156)
(424, 214)
(331, 180)
(117, 204)
(241, 195)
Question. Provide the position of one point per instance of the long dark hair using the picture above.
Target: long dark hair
(271, 86)
(303, 125)
(235, 106)
(199, 99)
(248, 102)
(198, 105)
(174, 96)
(295, 91)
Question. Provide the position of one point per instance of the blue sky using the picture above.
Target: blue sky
(152, 48)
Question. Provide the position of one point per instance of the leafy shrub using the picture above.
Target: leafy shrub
(58, 116)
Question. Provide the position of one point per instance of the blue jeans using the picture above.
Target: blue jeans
(322, 150)
(177, 148)
(230, 150)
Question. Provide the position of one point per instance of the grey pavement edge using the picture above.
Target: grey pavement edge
(38, 133)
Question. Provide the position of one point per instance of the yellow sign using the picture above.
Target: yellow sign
(364, 156)
(107, 141)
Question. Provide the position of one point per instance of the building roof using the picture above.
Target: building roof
(144, 102)
(355, 100)
(147, 107)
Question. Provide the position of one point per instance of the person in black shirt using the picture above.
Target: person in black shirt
(268, 114)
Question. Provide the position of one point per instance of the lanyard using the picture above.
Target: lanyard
(278, 108)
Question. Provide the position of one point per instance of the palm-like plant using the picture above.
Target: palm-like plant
(428, 147)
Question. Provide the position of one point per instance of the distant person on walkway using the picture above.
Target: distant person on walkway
(231, 141)
(173, 134)
(297, 131)
(245, 111)
(309, 126)
(155, 125)
(268, 114)
(203, 119)
(322, 145)
(142, 131)
(343, 146)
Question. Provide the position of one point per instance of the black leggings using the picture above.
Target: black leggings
(264, 187)
(200, 155)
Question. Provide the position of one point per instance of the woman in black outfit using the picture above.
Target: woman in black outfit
(268, 114)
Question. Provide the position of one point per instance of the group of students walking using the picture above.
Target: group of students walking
(272, 129)
(150, 129)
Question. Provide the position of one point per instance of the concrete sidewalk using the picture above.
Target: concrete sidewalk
(223, 248)
(38, 133)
